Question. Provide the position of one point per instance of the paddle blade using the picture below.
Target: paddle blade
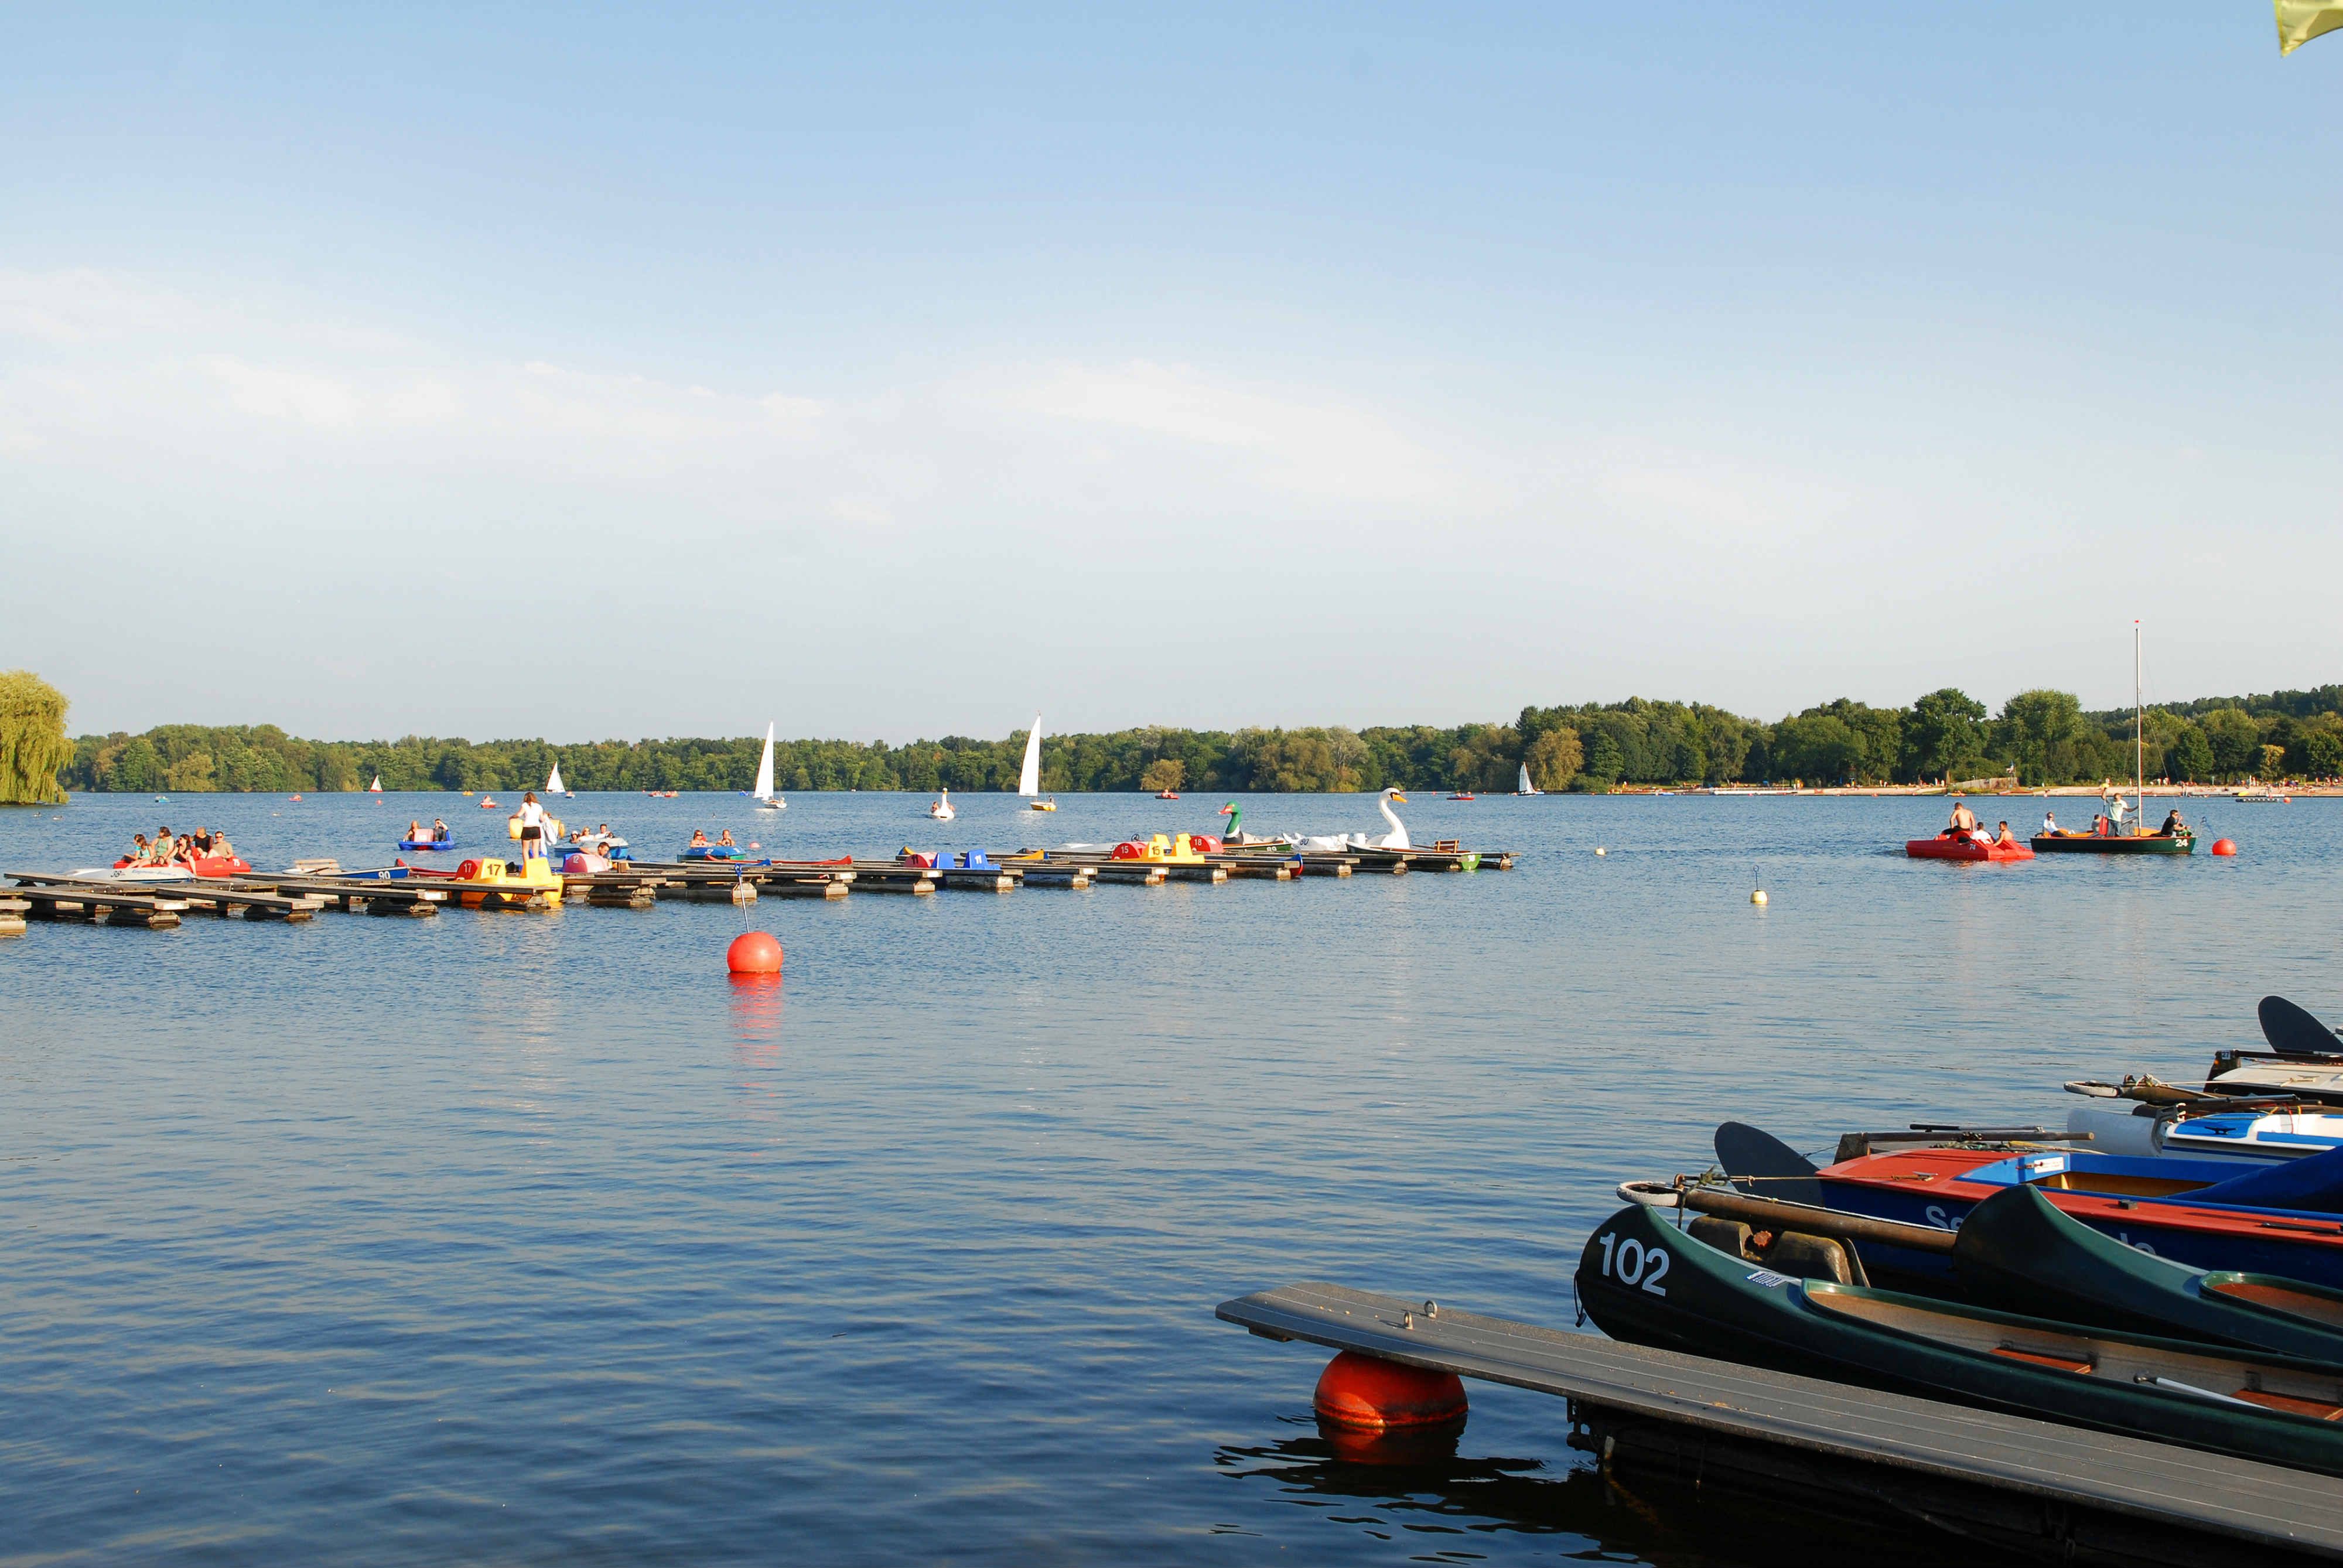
(1771, 1168)
(2291, 1032)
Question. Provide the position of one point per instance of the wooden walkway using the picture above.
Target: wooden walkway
(2005, 1477)
(315, 886)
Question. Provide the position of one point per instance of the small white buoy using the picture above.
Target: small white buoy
(1601, 850)
(1758, 896)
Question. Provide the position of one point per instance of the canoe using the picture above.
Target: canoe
(1645, 1281)
(2204, 1213)
(2262, 1136)
(2019, 1253)
(2114, 844)
(1951, 845)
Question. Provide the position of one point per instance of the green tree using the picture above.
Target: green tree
(2189, 756)
(2236, 741)
(2044, 733)
(1819, 748)
(32, 744)
(1943, 736)
(1554, 759)
(2317, 752)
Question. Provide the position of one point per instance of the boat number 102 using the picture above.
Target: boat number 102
(1632, 1264)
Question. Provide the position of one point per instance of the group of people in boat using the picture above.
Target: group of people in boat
(437, 834)
(165, 848)
(699, 840)
(1965, 823)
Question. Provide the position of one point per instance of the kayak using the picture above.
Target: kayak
(1645, 1281)
(2019, 1253)
(2270, 1219)
(1950, 846)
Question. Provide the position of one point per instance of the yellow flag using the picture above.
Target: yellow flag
(2300, 21)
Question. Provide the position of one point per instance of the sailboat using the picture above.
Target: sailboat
(766, 799)
(1525, 786)
(553, 784)
(1028, 778)
(2116, 842)
(375, 788)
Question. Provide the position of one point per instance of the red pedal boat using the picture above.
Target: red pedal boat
(1957, 845)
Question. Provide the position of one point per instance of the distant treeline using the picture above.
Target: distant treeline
(2045, 736)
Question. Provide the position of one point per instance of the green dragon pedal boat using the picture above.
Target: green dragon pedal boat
(1645, 1281)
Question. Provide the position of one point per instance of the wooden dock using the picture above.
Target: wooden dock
(317, 886)
(2072, 1494)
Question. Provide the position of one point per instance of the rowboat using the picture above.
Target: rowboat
(2181, 843)
(1955, 844)
(2019, 1253)
(2276, 1220)
(1644, 1281)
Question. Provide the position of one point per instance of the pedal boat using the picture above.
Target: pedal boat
(1956, 845)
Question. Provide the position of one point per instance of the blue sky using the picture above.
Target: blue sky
(906, 371)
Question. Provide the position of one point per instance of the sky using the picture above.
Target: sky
(891, 371)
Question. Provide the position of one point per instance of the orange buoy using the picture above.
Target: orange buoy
(754, 953)
(1367, 1393)
(2225, 846)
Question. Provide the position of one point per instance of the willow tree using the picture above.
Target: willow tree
(32, 744)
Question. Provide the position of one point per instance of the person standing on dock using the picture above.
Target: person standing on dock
(532, 827)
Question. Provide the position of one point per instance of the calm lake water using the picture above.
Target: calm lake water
(530, 1239)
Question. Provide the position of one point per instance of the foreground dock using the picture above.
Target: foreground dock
(2034, 1486)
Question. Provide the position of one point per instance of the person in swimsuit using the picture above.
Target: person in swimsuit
(532, 827)
(699, 837)
(726, 839)
(1964, 820)
(2005, 835)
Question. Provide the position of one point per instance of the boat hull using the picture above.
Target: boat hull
(1945, 848)
(1646, 1282)
(2114, 844)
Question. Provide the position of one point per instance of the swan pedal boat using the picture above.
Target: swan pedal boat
(1646, 1282)
(1954, 844)
(2280, 1219)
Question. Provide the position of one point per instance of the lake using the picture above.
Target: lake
(531, 1239)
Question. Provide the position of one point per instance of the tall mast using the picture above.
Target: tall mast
(2138, 732)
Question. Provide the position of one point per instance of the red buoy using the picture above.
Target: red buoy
(754, 953)
(1366, 1394)
(2225, 846)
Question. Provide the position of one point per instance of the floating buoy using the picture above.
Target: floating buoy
(1366, 1394)
(2225, 846)
(1601, 850)
(754, 953)
(1758, 896)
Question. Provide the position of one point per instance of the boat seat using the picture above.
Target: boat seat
(2316, 1409)
(1728, 1236)
(2044, 1359)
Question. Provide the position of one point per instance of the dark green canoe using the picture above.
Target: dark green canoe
(1645, 1281)
(2016, 1252)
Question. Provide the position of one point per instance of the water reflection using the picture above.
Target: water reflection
(1473, 1498)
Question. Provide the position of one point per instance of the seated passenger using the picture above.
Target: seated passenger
(1964, 820)
(2173, 826)
(699, 837)
(141, 852)
(438, 830)
(2049, 825)
(727, 837)
(2004, 837)
(415, 834)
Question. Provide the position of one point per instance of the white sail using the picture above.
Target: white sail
(1525, 786)
(553, 784)
(375, 788)
(764, 790)
(1028, 778)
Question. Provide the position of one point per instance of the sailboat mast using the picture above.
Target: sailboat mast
(2138, 734)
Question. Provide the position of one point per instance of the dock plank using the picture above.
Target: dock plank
(2240, 1498)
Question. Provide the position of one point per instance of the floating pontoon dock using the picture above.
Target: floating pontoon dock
(317, 886)
(2068, 1493)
